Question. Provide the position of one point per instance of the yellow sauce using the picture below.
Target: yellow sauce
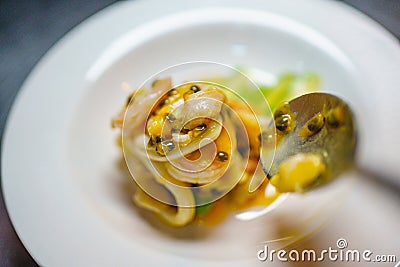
(298, 172)
(237, 200)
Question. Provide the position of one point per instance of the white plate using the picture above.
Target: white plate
(61, 181)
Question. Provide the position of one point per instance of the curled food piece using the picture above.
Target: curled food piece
(178, 216)
(143, 99)
(200, 105)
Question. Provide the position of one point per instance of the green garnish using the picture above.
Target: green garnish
(289, 86)
(203, 209)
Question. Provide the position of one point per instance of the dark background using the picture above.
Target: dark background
(29, 28)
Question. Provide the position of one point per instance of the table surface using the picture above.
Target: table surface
(28, 29)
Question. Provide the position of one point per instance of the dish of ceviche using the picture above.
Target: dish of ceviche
(194, 149)
(185, 174)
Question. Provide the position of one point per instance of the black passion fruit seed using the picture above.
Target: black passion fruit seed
(336, 117)
(164, 147)
(282, 122)
(172, 92)
(316, 123)
(199, 129)
(222, 156)
(170, 117)
(168, 145)
(194, 88)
